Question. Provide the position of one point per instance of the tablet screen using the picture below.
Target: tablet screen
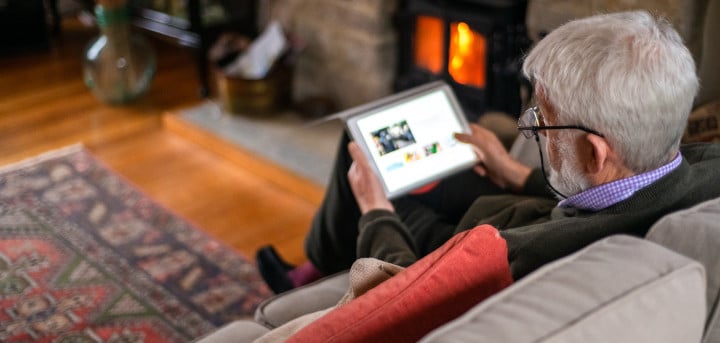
(410, 139)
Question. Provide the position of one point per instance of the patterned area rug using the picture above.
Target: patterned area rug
(86, 257)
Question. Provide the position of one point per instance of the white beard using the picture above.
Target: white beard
(569, 180)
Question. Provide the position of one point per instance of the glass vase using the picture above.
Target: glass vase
(119, 65)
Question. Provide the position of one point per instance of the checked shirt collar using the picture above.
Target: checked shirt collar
(606, 195)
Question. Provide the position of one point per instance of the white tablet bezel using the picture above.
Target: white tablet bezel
(355, 115)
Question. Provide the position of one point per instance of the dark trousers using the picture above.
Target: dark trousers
(430, 217)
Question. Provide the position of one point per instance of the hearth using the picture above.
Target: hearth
(476, 46)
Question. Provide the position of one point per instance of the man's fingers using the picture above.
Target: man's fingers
(480, 170)
(479, 153)
(476, 133)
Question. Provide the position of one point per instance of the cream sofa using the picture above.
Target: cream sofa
(663, 288)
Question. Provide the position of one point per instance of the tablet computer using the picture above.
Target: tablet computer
(408, 137)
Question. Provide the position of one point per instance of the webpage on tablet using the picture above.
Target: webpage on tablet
(412, 141)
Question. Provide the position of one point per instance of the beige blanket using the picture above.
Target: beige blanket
(365, 274)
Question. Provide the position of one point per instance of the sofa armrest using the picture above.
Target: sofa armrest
(695, 233)
(620, 289)
(316, 296)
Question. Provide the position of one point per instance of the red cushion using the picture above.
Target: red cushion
(426, 188)
(436, 289)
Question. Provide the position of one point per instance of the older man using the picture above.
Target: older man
(613, 94)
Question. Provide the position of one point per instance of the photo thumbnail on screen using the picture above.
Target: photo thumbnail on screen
(393, 137)
(420, 153)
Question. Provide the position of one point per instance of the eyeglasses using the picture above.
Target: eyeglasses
(533, 121)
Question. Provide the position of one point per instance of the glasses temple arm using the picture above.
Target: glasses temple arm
(542, 167)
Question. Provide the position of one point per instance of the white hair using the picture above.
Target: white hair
(627, 75)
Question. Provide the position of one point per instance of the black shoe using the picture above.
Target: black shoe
(274, 270)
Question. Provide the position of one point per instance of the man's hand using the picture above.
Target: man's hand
(495, 161)
(365, 184)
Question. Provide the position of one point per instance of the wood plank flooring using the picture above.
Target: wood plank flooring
(44, 105)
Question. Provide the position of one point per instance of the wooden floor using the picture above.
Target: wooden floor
(44, 105)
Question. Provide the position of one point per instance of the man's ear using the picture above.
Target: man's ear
(600, 152)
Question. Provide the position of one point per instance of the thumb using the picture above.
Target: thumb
(357, 154)
(462, 137)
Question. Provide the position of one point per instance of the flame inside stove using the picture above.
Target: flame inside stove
(466, 55)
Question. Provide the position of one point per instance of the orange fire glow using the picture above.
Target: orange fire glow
(429, 43)
(466, 55)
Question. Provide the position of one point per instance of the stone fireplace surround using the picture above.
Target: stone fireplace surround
(350, 47)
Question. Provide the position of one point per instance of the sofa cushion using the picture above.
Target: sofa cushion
(619, 289)
(695, 233)
(437, 288)
(319, 295)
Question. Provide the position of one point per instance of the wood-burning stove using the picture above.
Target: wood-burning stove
(474, 45)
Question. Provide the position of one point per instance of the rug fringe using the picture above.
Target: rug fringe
(50, 154)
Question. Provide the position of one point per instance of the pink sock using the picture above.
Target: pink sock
(304, 274)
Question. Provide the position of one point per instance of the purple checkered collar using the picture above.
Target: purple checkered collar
(606, 195)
